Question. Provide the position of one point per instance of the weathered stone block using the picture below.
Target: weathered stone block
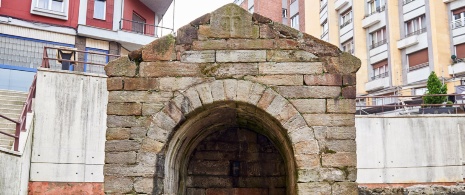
(260, 19)
(147, 158)
(231, 21)
(198, 56)
(307, 161)
(161, 49)
(320, 174)
(230, 89)
(242, 44)
(340, 159)
(210, 45)
(127, 121)
(340, 105)
(205, 19)
(118, 184)
(330, 119)
(323, 79)
(151, 109)
(241, 56)
(290, 68)
(301, 135)
(121, 67)
(114, 83)
(309, 105)
(128, 170)
(277, 79)
(140, 84)
(143, 185)
(124, 108)
(286, 44)
(121, 145)
(329, 133)
(138, 133)
(314, 188)
(243, 90)
(256, 93)
(139, 96)
(337, 146)
(349, 188)
(266, 32)
(266, 99)
(345, 63)
(120, 157)
(291, 56)
(349, 79)
(150, 145)
(228, 70)
(179, 83)
(349, 92)
(309, 91)
(306, 147)
(287, 113)
(217, 88)
(295, 123)
(118, 133)
(186, 35)
(172, 69)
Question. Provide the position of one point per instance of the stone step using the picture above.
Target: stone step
(12, 98)
(12, 102)
(13, 93)
(11, 106)
(7, 124)
(14, 116)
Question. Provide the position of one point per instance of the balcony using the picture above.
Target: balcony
(377, 44)
(340, 4)
(324, 34)
(378, 82)
(410, 39)
(459, 23)
(417, 73)
(138, 27)
(346, 23)
(457, 68)
(373, 17)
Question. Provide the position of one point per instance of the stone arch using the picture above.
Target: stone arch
(260, 106)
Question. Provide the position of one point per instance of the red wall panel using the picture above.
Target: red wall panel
(108, 22)
(21, 9)
(140, 9)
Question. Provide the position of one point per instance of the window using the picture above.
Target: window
(284, 13)
(458, 18)
(380, 70)
(324, 29)
(460, 51)
(348, 46)
(375, 6)
(418, 60)
(138, 23)
(295, 21)
(378, 38)
(419, 91)
(415, 26)
(50, 8)
(99, 9)
(346, 18)
(323, 4)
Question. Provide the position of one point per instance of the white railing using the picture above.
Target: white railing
(458, 23)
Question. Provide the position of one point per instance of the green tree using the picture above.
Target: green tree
(435, 86)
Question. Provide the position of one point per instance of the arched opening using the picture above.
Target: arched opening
(230, 147)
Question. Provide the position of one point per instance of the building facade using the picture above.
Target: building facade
(399, 42)
(101, 26)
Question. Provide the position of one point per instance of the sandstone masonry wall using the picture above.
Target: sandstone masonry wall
(305, 84)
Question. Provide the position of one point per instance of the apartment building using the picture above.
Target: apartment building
(100, 26)
(399, 42)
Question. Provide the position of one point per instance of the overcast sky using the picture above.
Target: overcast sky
(188, 10)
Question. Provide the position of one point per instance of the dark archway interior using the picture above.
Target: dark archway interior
(236, 161)
(230, 146)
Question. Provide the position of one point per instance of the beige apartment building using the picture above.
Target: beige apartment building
(399, 41)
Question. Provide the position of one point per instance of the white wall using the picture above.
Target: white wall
(410, 149)
(70, 125)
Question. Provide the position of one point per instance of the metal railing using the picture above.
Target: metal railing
(382, 75)
(418, 66)
(346, 23)
(21, 122)
(322, 6)
(366, 105)
(408, 1)
(377, 44)
(88, 65)
(417, 32)
(458, 23)
(377, 10)
(324, 34)
(142, 28)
